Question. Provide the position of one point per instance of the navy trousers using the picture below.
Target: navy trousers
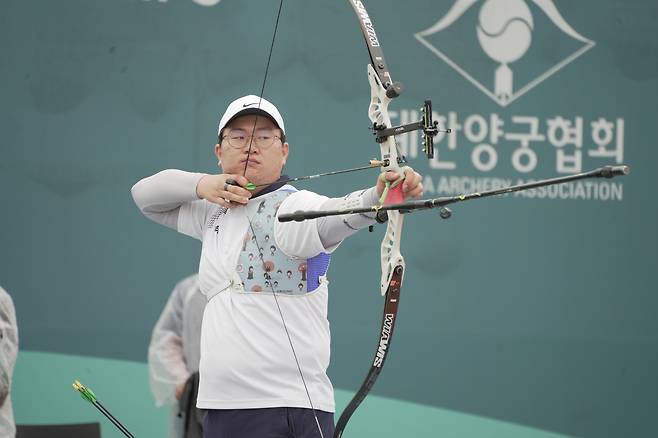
(267, 423)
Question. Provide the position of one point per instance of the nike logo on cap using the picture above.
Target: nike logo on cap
(244, 105)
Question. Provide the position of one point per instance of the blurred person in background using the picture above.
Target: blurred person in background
(8, 354)
(173, 357)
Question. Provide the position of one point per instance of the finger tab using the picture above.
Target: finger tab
(395, 195)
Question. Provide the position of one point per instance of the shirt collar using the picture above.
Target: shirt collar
(276, 185)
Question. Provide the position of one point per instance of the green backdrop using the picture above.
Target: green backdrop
(525, 315)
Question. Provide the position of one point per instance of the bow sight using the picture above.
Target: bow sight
(426, 124)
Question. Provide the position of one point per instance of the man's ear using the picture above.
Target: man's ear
(284, 149)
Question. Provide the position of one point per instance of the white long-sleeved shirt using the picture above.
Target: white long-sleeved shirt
(246, 359)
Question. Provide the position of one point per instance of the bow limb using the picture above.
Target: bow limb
(382, 91)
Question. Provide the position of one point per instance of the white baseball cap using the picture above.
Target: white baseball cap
(251, 105)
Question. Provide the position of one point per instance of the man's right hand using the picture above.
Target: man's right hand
(179, 390)
(214, 188)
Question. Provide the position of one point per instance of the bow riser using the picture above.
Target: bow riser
(390, 248)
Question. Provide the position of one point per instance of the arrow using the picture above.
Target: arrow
(88, 394)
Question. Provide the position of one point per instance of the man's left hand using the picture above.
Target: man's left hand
(412, 187)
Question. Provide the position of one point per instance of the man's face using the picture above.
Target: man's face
(265, 162)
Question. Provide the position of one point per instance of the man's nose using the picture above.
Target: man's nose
(251, 149)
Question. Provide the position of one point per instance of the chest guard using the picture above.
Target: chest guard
(276, 272)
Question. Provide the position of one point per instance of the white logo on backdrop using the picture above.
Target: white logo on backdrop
(504, 32)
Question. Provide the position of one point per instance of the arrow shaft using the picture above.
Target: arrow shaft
(371, 165)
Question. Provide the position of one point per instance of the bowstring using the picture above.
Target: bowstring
(253, 231)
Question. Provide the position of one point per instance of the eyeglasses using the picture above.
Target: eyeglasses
(238, 139)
